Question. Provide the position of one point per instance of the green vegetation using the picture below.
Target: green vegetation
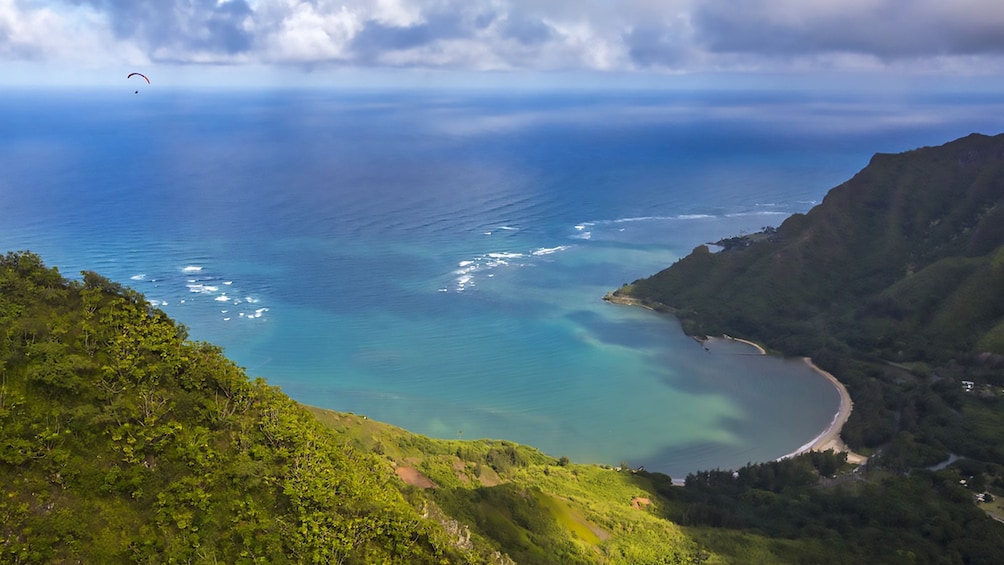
(895, 284)
(121, 441)
(532, 507)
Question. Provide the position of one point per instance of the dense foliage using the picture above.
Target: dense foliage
(534, 508)
(120, 441)
(895, 284)
(903, 262)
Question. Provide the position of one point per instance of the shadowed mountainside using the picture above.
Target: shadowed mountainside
(905, 261)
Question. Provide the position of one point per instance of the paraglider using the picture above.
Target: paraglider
(130, 75)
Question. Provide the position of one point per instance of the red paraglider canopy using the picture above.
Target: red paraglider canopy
(139, 75)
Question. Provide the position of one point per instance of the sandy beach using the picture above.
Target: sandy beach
(747, 342)
(830, 439)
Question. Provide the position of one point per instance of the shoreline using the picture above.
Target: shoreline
(755, 345)
(830, 437)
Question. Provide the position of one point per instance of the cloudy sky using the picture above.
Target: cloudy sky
(598, 38)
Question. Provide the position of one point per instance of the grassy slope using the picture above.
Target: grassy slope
(121, 442)
(535, 507)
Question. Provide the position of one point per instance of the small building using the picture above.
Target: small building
(968, 386)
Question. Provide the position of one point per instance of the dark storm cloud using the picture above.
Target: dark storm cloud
(467, 21)
(885, 29)
(180, 26)
(527, 30)
(376, 37)
(653, 46)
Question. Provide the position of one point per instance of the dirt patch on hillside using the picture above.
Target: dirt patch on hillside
(640, 502)
(413, 477)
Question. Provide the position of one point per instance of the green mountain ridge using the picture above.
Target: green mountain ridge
(903, 261)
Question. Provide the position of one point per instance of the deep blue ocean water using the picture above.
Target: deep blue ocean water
(437, 260)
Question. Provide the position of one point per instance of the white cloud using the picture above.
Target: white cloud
(309, 33)
(42, 32)
(607, 35)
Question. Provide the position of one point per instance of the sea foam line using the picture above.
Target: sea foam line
(467, 268)
(548, 250)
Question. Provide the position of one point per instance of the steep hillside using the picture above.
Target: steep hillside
(122, 442)
(894, 283)
(905, 261)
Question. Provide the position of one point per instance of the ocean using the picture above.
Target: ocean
(437, 259)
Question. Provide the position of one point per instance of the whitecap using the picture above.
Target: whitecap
(227, 319)
(191, 269)
(465, 263)
(508, 228)
(583, 235)
(137, 277)
(548, 250)
(638, 219)
(505, 255)
(757, 213)
(199, 288)
(228, 283)
(222, 298)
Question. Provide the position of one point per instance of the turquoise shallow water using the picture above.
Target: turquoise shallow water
(437, 260)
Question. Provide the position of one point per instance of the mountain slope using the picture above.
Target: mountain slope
(904, 261)
(122, 442)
